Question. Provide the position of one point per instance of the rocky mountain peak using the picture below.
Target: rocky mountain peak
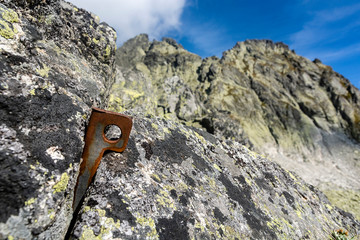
(298, 112)
(262, 45)
(172, 42)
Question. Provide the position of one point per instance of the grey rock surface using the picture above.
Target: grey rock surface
(177, 182)
(56, 61)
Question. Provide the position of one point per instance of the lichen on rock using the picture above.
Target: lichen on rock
(299, 113)
(7, 18)
(191, 185)
(48, 84)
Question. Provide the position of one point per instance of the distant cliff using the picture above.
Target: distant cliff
(173, 181)
(299, 113)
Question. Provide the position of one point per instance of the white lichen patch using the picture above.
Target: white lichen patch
(55, 153)
(148, 171)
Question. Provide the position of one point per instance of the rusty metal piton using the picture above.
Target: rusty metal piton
(96, 143)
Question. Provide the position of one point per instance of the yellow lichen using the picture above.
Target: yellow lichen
(292, 176)
(248, 181)
(329, 207)
(198, 225)
(44, 72)
(86, 209)
(166, 130)
(165, 200)
(30, 201)
(281, 230)
(182, 186)
(133, 94)
(201, 138)
(10, 16)
(51, 212)
(155, 176)
(115, 104)
(211, 181)
(111, 222)
(253, 154)
(108, 224)
(6, 31)
(154, 126)
(217, 167)
(169, 188)
(230, 232)
(148, 222)
(10, 237)
(88, 234)
(107, 51)
(95, 41)
(287, 223)
(101, 212)
(62, 184)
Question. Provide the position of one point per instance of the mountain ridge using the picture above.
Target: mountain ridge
(298, 112)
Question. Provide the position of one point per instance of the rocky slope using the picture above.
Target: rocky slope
(177, 182)
(299, 113)
(56, 62)
(173, 181)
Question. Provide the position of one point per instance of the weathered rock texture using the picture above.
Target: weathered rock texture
(176, 182)
(173, 181)
(56, 61)
(299, 113)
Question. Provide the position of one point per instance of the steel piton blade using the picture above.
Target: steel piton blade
(96, 144)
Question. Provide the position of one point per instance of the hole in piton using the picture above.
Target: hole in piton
(112, 132)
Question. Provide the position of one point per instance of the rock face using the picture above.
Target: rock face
(177, 182)
(299, 113)
(56, 62)
(155, 79)
(172, 182)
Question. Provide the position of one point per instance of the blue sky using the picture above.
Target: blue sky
(328, 30)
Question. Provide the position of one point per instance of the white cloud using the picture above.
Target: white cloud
(132, 17)
(330, 56)
(324, 27)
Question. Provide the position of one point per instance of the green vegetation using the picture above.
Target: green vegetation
(341, 235)
(348, 200)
